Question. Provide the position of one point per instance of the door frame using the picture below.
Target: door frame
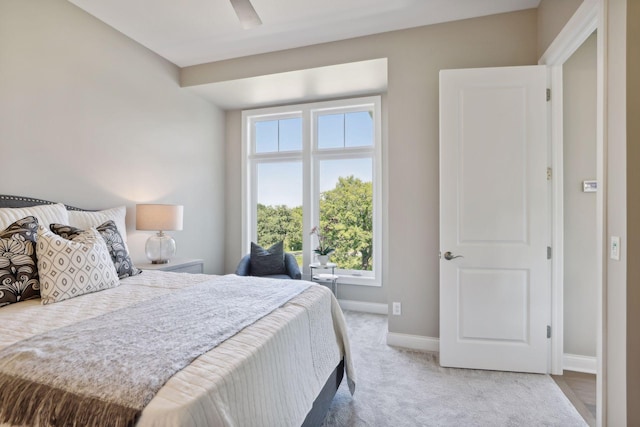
(589, 17)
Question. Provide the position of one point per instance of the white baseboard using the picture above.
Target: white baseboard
(575, 362)
(364, 307)
(414, 342)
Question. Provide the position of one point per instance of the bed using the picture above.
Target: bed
(282, 369)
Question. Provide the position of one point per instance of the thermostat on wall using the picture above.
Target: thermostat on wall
(589, 186)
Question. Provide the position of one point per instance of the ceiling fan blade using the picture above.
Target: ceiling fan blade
(246, 13)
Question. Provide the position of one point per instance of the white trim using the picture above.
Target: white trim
(589, 17)
(246, 228)
(583, 22)
(601, 202)
(413, 342)
(310, 158)
(364, 307)
(557, 219)
(578, 363)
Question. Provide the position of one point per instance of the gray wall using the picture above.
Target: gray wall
(617, 281)
(552, 17)
(633, 160)
(580, 223)
(415, 56)
(93, 119)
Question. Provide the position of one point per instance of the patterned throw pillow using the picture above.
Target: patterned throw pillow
(70, 268)
(267, 262)
(18, 266)
(115, 244)
(87, 219)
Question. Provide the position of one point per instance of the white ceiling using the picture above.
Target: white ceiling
(189, 32)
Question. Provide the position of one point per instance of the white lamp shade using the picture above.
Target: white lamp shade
(159, 217)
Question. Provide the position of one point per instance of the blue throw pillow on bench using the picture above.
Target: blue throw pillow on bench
(267, 262)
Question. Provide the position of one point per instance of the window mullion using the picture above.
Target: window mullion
(344, 131)
(307, 205)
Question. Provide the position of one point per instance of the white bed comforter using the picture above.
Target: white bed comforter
(267, 375)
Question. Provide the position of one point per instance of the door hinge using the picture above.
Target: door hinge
(549, 173)
(548, 331)
(548, 94)
(548, 252)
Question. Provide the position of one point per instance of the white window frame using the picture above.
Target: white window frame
(310, 156)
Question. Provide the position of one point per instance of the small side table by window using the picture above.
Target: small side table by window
(176, 265)
(325, 278)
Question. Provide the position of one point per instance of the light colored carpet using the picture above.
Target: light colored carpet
(398, 387)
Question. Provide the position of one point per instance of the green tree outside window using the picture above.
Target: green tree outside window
(346, 216)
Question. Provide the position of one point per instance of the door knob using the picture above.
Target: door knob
(449, 256)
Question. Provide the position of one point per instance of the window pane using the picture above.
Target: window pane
(359, 129)
(266, 136)
(291, 134)
(346, 211)
(331, 131)
(278, 135)
(279, 210)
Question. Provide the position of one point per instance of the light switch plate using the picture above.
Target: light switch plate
(614, 249)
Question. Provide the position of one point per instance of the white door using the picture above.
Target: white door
(494, 217)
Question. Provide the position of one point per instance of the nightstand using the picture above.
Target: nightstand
(324, 278)
(176, 265)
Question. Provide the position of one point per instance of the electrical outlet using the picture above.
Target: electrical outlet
(397, 309)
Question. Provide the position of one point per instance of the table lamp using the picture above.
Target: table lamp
(159, 247)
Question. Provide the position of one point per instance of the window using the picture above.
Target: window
(316, 164)
(278, 135)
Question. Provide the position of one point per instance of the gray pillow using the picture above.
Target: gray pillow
(267, 262)
(115, 244)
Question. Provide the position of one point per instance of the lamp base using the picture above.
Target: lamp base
(160, 248)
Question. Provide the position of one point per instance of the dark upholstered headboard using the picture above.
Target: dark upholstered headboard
(7, 201)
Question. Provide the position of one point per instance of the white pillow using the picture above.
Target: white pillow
(46, 214)
(85, 220)
(70, 268)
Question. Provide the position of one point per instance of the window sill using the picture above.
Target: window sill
(346, 279)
